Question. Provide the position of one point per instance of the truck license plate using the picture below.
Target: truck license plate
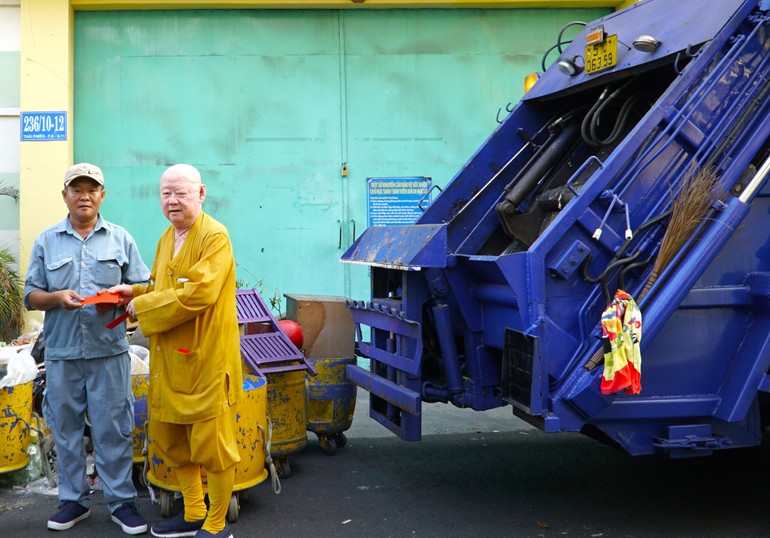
(602, 55)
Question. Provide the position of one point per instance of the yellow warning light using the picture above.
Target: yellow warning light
(530, 80)
(595, 36)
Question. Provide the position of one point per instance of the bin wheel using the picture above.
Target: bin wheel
(49, 461)
(232, 511)
(282, 467)
(142, 479)
(138, 473)
(165, 503)
(340, 439)
(328, 444)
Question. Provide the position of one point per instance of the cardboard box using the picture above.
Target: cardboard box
(327, 326)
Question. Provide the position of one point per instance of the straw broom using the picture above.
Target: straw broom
(688, 210)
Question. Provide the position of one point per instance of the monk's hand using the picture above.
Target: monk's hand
(124, 291)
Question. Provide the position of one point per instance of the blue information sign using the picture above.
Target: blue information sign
(396, 201)
(43, 126)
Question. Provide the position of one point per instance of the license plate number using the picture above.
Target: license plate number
(602, 56)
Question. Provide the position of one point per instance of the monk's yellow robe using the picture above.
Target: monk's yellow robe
(188, 312)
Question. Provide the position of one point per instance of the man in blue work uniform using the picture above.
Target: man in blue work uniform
(88, 368)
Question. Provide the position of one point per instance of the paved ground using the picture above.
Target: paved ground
(473, 474)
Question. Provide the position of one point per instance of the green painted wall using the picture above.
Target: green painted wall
(9, 78)
(269, 104)
(9, 130)
(9, 208)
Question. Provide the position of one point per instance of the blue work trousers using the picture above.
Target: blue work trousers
(102, 387)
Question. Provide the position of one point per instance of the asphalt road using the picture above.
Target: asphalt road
(473, 474)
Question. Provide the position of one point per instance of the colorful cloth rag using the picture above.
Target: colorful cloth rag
(621, 334)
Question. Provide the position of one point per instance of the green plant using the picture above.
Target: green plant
(274, 301)
(9, 190)
(11, 285)
(11, 298)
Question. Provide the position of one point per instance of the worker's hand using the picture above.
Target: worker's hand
(103, 307)
(131, 311)
(67, 299)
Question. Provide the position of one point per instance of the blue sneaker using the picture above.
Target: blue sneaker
(176, 527)
(129, 519)
(70, 512)
(224, 533)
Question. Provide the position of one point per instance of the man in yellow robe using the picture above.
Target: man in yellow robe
(188, 312)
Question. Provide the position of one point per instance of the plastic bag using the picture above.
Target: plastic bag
(140, 351)
(138, 366)
(21, 369)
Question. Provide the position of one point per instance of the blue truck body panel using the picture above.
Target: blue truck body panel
(494, 296)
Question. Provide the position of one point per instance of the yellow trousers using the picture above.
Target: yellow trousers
(210, 445)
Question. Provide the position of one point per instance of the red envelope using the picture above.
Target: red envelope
(115, 322)
(106, 297)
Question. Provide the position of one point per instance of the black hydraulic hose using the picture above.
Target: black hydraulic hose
(564, 29)
(585, 125)
(604, 276)
(617, 261)
(643, 226)
(547, 52)
(631, 267)
(620, 122)
(591, 120)
(559, 41)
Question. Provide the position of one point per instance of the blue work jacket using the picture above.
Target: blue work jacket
(62, 260)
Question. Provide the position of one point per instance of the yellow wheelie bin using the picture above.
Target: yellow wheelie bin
(331, 402)
(140, 388)
(15, 417)
(251, 417)
(287, 410)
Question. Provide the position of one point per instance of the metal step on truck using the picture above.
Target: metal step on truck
(601, 264)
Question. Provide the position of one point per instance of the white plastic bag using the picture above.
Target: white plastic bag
(21, 369)
(140, 351)
(138, 364)
(140, 359)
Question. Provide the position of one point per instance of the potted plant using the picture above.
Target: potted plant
(11, 285)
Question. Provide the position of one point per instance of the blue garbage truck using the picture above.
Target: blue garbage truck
(630, 178)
